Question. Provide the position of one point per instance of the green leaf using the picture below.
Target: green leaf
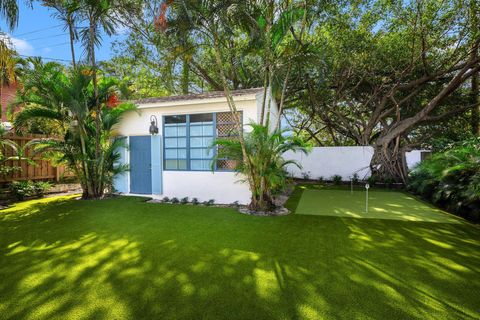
(262, 22)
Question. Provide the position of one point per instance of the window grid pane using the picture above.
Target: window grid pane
(188, 141)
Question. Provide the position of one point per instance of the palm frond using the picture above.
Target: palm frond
(30, 113)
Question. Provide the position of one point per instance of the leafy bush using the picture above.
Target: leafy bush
(372, 180)
(184, 200)
(389, 181)
(337, 179)
(41, 186)
(209, 202)
(25, 189)
(195, 201)
(263, 167)
(451, 179)
(355, 178)
(174, 200)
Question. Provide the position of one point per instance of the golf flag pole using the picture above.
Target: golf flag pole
(367, 186)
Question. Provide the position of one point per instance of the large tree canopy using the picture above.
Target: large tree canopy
(371, 72)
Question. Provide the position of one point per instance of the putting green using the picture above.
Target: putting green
(382, 204)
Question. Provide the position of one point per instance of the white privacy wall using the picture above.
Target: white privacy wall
(344, 161)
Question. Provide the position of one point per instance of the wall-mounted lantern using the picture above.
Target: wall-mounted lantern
(153, 125)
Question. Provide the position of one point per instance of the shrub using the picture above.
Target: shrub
(25, 189)
(451, 179)
(337, 179)
(266, 170)
(306, 175)
(166, 199)
(184, 200)
(174, 200)
(372, 180)
(355, 178)
(209, 202)
(40, 187)
(388, 181)
(195, 201)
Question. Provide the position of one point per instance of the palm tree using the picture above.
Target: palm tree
(11, 65)
(17, 152)
(101, 15)
(9, 11)
(268, 169)
(67, 98)
(66, 11)
(215, 23)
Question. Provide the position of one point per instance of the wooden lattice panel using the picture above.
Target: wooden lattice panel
(226, 125)
(225, 117)
(226, 129)
(226, 164)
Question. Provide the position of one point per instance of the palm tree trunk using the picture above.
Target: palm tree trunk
(72, 39)
(264, 99)
(88, 187)
(282, 99)
(97, 173)
(269, 105)
(185, 75)
(96, 169)
(235, 113)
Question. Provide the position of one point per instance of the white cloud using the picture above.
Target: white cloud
(20, 45)
(122, 29)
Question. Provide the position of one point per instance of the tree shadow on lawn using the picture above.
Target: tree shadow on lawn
(125, 259)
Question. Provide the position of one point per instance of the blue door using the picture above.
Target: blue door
(140, 165)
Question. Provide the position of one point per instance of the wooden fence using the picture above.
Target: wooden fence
(41, 169)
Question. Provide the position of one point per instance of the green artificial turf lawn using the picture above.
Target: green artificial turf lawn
(382, 204)
(123, 258)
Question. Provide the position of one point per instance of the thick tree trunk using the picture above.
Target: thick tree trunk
(388, 162)
(476, 106)
(475, 119)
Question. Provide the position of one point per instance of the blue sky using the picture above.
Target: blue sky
(40, 34)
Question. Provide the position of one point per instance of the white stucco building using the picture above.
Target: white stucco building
(177, 162)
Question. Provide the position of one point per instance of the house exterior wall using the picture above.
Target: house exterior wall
(273, 109)
(138, 123)
(223, 187)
